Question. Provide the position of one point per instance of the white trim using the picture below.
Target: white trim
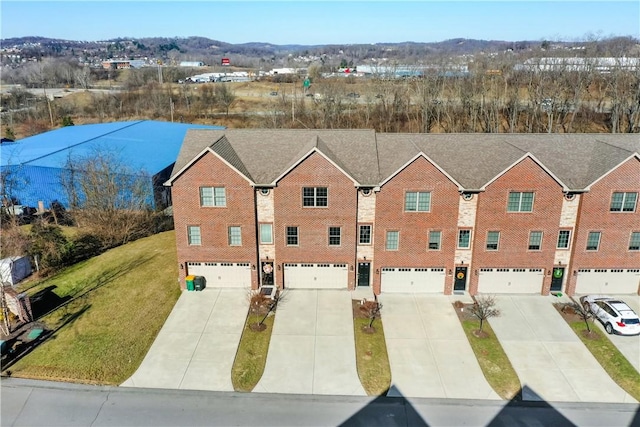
(306, 156)
(538, 162)
(209, 149)
(427, 158)
(636, 155)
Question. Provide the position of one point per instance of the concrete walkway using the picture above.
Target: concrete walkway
(429, 353)
(550, 360)
(312, 348)
(197, 345)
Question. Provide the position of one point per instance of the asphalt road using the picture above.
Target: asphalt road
(36, 403)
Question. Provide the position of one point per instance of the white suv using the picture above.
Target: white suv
(616, 316)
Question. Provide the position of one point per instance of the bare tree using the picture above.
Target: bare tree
(484, 308)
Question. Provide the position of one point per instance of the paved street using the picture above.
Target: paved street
(35, 403)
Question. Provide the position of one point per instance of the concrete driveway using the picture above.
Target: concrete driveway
(429, 353)
(552, 363)
(197, 345)
(629, 346)
(312, 348)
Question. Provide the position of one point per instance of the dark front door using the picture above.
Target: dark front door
(267, 274)
(556, 278)
(364, 270)
(461, 279)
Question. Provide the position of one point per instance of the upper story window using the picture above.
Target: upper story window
(393, 240)
(235, 236)
(535, 240)
(193, 235)
(334, 236)
(435, 236)
(365, 235)
(314, 197)
(563, 239)
(266, 233)
(464, 239)
(292, 236)
(493, 238)
(213, 196)
(634, 241)
(417, 201)
(520, 201)
(593, 241)
(623, 202)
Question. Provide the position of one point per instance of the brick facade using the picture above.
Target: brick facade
(382, 206)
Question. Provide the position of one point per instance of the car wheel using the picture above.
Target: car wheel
(608, 328)
(587, 307)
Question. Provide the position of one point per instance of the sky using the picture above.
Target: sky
(322, 22)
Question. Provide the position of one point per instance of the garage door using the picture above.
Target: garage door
(316, 276)
(608, 281)
(222, 274)
(510, 280)
(418, 279)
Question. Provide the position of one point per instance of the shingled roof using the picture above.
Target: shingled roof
(263, 156)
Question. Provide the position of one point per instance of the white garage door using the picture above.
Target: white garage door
(608, 281)
(418, 279)
(510, 280)
(316, 276)
(222, 274)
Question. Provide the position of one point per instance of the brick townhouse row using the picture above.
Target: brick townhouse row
(436, 213)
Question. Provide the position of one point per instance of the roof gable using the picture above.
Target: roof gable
(417, 156)
(535, 160)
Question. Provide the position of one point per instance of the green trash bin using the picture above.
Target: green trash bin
(190, 285)
(199, 283)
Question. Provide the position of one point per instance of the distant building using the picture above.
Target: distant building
(601, 64)
(122, 64)
(192, 64)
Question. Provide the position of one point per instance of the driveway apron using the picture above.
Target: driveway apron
(550, 360)
(312, 348)
(196, 347)
(429, 353)
(629, 346)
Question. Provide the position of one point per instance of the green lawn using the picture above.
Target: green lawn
(493, 361)
(251, 356)
(112, 308)
(372, 359)
(616, 365)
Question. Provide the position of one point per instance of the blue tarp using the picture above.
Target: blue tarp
(36, 163)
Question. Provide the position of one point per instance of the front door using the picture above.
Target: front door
(364, 269)
(461, 279)
(267, 273)
(556, 278)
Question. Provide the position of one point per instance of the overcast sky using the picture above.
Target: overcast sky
(322, 22)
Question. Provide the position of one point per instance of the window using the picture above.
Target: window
(365, 235)
(417, 201)
(634, 241)
(235, 236)
(393, 239)
(493, 238)
(266, 233)
(593, 241)
(623, 202)
(535, 240)
(193, 235)
(520, 202)
(563, 239)
(464, 239)
(292, 236)
(314, 197)
(334, 236)
(434, 240)
(213, 196)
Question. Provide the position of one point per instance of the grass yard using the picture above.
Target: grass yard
(105, 312)
(372, 359)
(492, 359)
(251, 356)
(606, 353)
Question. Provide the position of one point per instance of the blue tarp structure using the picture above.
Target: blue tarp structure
(35, 165)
